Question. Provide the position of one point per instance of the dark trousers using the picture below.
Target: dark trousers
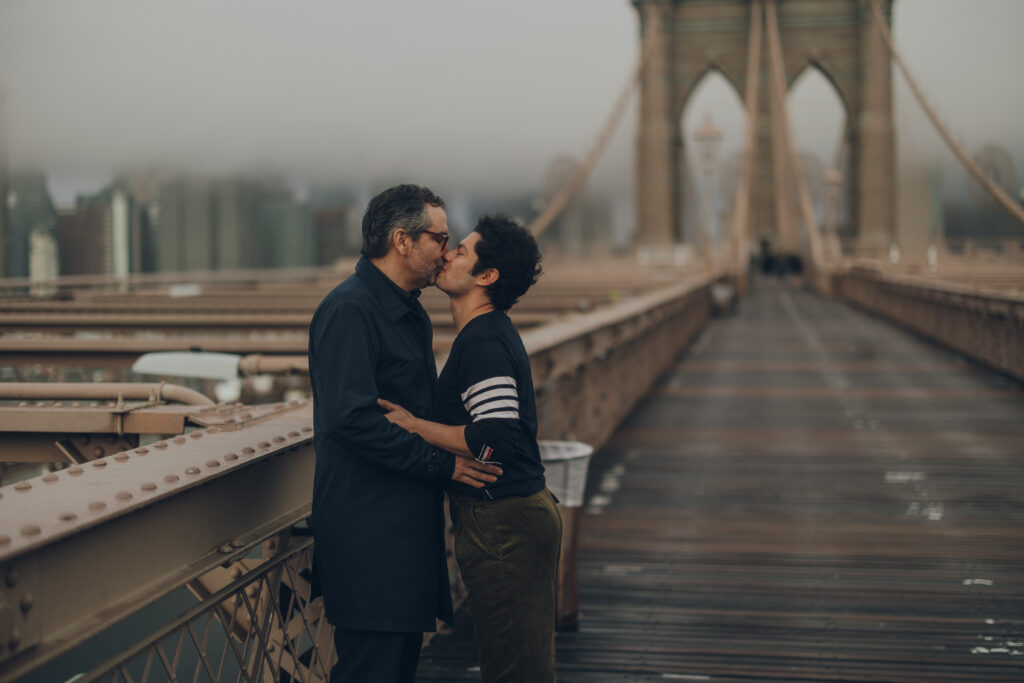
(507, 551)
(375, 656)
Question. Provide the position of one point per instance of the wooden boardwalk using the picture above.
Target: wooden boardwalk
(808, 495)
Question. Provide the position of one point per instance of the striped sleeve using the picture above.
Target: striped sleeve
(491, 398)
(490, 394)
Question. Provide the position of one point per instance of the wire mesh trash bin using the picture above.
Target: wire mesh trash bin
(565, 468)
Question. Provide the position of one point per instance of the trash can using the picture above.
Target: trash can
(565, 468)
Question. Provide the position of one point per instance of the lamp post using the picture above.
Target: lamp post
(708, 139)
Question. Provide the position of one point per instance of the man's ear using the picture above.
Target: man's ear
(400, 240)
(488, 277)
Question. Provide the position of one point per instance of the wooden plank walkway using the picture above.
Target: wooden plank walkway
(809, 495)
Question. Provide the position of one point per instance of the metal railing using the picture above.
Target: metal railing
(262, 626)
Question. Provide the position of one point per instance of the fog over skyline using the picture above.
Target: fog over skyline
(475, 95)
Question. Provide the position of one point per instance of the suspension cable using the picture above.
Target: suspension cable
(979, 175)
(562, 198)
(779, 90)
(741, 210)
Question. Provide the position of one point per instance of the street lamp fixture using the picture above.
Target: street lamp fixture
(708, 139)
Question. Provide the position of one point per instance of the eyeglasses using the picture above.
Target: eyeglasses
(439, 237)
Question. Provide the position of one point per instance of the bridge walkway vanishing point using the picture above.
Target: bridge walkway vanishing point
(809, 494)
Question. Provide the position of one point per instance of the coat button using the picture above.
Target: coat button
(431, 468)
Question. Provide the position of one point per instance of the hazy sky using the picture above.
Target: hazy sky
(477, 94)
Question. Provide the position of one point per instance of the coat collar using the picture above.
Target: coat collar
(395, 301)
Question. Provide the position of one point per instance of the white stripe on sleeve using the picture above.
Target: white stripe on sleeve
(487, 384)
(508, 414)
(493, 405)
(501, 392)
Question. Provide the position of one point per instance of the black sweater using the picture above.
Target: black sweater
(486, 385)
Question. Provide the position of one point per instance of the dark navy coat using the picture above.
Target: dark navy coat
(377, 490)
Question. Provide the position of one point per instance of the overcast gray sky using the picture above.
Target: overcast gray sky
(479, 94)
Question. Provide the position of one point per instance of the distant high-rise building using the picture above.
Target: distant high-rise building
(29, 209)
(286, 234)
(337, 215)
(102, 234)
(185, 226)
(233, 223)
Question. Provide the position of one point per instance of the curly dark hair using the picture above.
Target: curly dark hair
(512, 251)
(400, 207)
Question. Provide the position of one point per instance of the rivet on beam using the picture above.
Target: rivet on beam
(196, 435)
(50, 478)
(97, 505)
(123, 496)
(22, 486)
(30, 530)
(4, 540)
(148, 486)
(141, 451)
(248, 450)
(231, 457)
(279, 439)
(172, 478)
(307, 429)
(99, 464)
(212, 464)
(160, 444)
(121, 457)
(293, 434)
(192, 470)
(67, 516)
(75, 471)
(264, 444)
(179, 440)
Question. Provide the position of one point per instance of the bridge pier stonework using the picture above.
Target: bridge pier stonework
(834, 36)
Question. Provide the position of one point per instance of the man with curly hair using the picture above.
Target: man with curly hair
(507, 534)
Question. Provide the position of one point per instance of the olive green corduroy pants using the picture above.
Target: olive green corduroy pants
(507, 551)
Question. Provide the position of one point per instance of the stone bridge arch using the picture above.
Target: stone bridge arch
(836, 37)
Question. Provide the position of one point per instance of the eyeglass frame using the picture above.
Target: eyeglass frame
(440, 237)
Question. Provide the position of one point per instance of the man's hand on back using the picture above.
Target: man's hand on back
(475, 473)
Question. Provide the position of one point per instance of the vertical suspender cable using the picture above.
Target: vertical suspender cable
(741, 207)
(779, 89)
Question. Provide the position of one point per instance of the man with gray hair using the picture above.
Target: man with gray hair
(377, 489)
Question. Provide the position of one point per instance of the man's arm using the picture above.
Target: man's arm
(451, 438)
(490, 395)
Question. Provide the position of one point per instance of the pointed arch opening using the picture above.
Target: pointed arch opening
(708, 181)
(819, 122)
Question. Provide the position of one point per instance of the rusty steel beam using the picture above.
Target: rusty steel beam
(257, 364)
(148, 520)
(103, 391)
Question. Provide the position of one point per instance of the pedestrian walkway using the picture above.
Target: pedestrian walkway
(809, 494)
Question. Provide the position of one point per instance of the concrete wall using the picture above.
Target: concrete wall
(590, 371)
(985, 326)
